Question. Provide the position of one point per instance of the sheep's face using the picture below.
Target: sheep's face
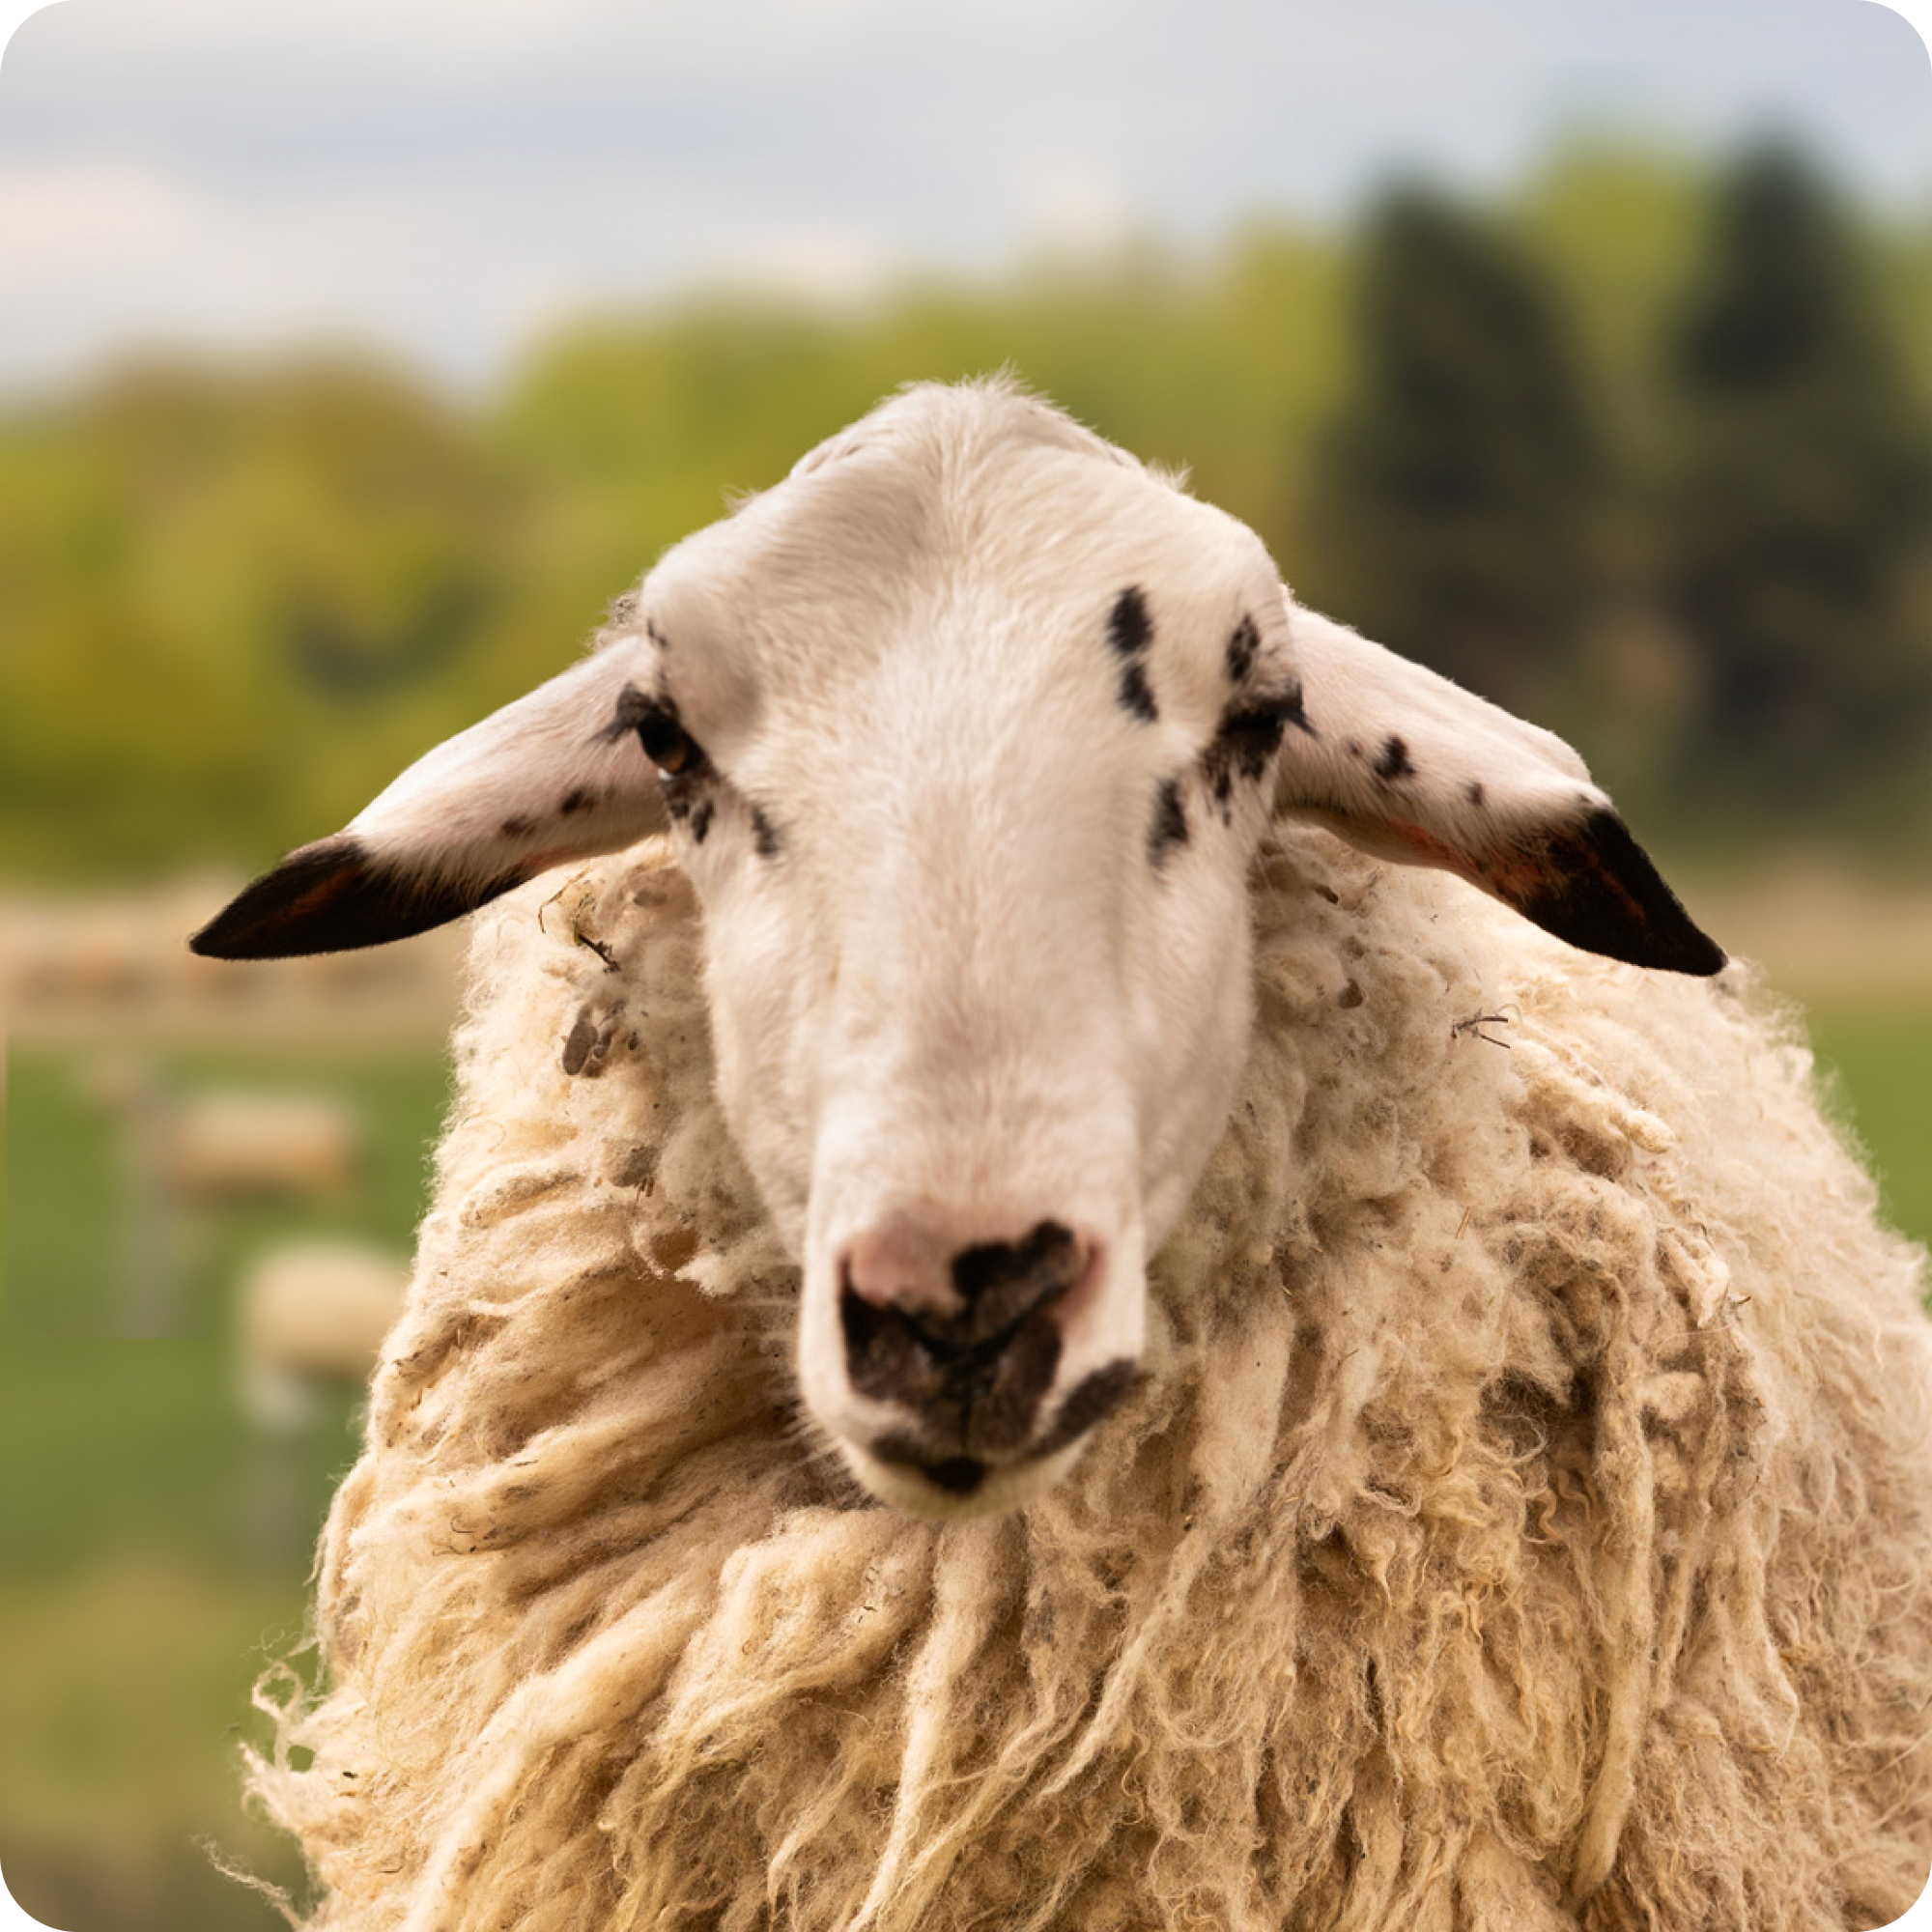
(967, 761)
(967, 733)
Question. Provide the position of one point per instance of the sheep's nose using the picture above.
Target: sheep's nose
(966, 1342)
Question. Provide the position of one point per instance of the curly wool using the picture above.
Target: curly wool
(1526, 1520)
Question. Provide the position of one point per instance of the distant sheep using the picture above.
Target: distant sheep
(315, 1309)
(1388, 1420)
(217, 1145)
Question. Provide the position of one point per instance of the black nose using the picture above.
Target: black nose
(1004, 1282)
(973, 1376)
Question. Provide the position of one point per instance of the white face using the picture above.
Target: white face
(969, 731)
(970, 816)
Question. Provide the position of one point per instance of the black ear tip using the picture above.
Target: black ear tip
(335, 895)
(294, 909)
(1606, 895)
(1698, 952)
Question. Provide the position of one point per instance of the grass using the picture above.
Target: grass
(1881, 1057)
(76, 1210)
(153, 1546)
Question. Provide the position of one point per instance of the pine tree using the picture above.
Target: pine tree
(1464, 485)
(1798, 520)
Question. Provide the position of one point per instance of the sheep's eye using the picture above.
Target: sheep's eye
(667, 744)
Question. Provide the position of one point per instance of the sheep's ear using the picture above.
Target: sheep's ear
(1408, 766)
(558, 775)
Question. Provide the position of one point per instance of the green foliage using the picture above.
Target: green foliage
(233, 581)
(1798, 514)
(234, 603)
(1464, 480)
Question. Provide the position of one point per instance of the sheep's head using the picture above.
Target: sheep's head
(967, 733)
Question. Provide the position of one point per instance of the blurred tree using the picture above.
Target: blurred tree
(235, 601)
(1465, 481)
(1796, 522)
(232, 595)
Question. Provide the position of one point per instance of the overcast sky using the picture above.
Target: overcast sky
(445, 178)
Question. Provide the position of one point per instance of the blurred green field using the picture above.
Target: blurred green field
(1881, 1060)
(154, 1542)
(140, 1596)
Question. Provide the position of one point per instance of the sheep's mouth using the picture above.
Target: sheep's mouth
(960, 1476)
(926, 1451)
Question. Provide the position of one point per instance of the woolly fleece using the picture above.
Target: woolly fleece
(1526, 1520)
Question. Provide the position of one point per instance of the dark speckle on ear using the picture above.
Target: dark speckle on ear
(764, 835)
(519, 826)
(576, 801)
(1473, 791)
(1242, 645)
(1170, 823)
(1394, 762)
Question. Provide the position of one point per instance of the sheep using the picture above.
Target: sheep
(221, 1144)
(1020, 1330)
(309, 1313)
(313, 1309)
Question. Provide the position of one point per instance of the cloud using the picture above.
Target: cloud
(441, 176)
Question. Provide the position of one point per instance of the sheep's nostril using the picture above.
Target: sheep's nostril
(1001, 1283)
(885, 1350)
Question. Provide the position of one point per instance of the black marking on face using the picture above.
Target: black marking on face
(1242, 648)
(700, 819)
(1247, 737)
(764, 835)
(1473, 791)
(1136, 694)
(1092, 1401)
(519, 826)
(1355, 749)
(1170, 823)
(1394, 764)
(577, 801)
(1129, 628)
(1130, 633)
